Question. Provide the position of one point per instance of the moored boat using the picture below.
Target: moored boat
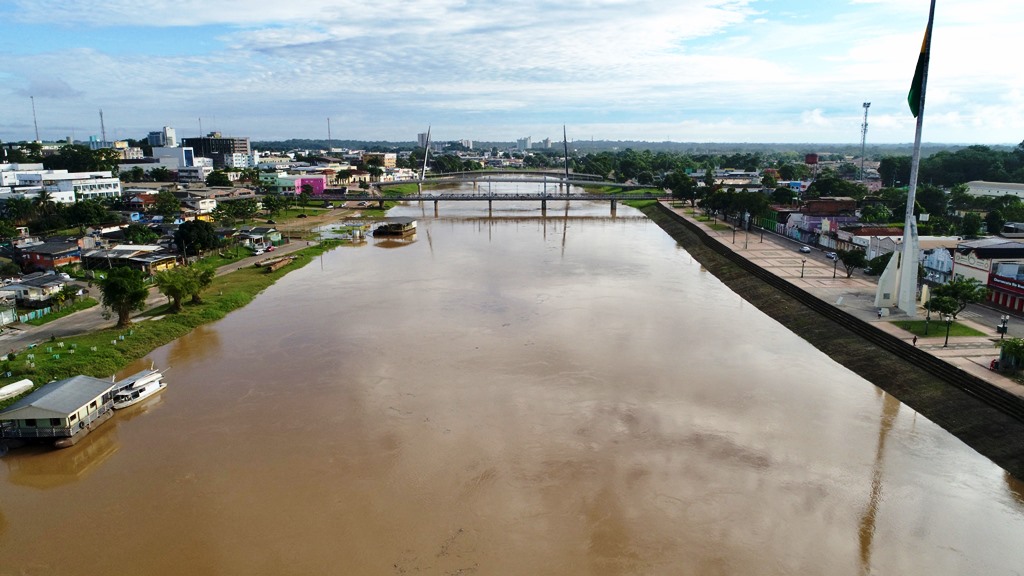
(143, 386)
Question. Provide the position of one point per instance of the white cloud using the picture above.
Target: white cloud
(713, 68)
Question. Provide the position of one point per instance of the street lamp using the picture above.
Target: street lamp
(948, 318)
(803, 262)
(733, 234)
(1003, 320)
(927, 319)
(835, 265)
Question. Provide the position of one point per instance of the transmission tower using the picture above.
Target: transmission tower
(863, 138)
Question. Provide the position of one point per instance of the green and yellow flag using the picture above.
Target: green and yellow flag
(916, 96)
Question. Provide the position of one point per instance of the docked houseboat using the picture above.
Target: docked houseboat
(64, 411)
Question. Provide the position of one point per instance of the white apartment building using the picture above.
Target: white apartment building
(68, 187)
(194, 173)
(241, 161)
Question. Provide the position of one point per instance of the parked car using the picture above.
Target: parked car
(257, 252)
(64, 276)
(805, 249)
(270, 248)
(301, 216)
(271, 222)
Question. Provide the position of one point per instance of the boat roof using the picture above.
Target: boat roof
(57, 399)
(130, 380)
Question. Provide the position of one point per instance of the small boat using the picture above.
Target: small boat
(15, 389)
(142, 388)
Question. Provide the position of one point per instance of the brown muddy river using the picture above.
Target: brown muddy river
(515, 395)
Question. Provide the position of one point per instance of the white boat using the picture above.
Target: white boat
(143, 385)
(12, 390)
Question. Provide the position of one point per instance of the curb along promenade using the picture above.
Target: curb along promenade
(950, 385)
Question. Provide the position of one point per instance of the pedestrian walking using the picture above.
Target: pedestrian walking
(879, 313)
(915, 340)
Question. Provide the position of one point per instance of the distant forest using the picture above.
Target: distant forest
(874, 151)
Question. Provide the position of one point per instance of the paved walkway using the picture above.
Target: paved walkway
(827, 280)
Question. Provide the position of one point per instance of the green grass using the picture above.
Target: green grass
(937, 328)
(719, 226)
(76, 356)
(82, 304)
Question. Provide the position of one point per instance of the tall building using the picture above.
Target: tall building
(215, 146)
(421, 139)
(524, 143)
(164, 138)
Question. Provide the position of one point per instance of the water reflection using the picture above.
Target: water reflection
(868, 522)
(46, 468)
(203, 342)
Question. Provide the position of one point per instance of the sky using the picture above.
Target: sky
(779, 71)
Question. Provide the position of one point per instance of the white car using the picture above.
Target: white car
(831, 255)
(257, 252)
(805, 249)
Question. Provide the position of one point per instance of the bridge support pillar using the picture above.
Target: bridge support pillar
(435, 208)
(490, 207)
(419, 188)
(613, 207)
(543, 207)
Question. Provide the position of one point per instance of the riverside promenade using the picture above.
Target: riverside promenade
(823, 278)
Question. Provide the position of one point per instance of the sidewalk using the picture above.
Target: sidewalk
(827, 280)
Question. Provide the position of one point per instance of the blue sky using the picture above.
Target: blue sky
(682, 70)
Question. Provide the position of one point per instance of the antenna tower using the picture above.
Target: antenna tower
(34, 122)
(103, 130)
(329, 145)
(863, 138)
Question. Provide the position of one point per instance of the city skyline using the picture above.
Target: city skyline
(782, 71)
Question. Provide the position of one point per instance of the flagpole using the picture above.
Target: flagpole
(907, 301)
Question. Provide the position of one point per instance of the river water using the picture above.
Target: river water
(570, 394)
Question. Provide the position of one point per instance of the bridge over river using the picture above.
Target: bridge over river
(378, 194)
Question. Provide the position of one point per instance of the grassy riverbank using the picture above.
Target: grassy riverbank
(104, 352)
(984, 428)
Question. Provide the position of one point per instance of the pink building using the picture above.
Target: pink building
(317, 183)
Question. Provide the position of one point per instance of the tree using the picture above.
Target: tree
(994, 221)
(970, 226)
(140, 234)
(963, 291)
(875, 213)
(160, 174)
(194, 237)
(124, 291)
(273, 203)
(166, 205)
(782, 195)
(218, 178)
(176, 284)
(877, 264)
(852, 259)
(306, 192)
(202, 278)
(682, 186)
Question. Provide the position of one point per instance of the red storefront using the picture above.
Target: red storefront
(1006, 293)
